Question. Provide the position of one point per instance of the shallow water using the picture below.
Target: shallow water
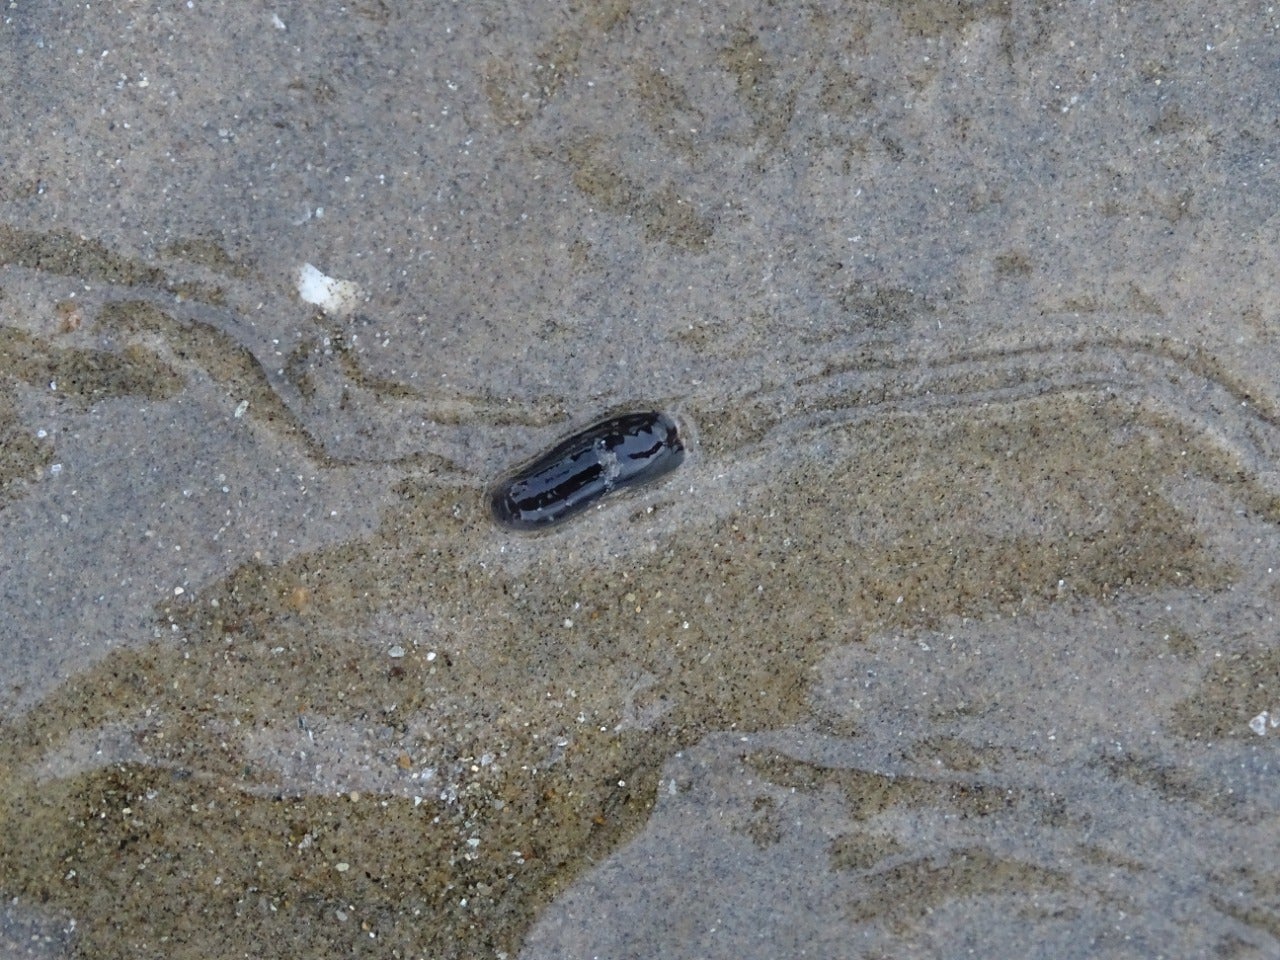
(953, 634)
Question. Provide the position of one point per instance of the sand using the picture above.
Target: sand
(953, 635)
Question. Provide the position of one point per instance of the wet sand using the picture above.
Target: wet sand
(952, 635)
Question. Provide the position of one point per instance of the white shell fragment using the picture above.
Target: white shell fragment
(337, 298)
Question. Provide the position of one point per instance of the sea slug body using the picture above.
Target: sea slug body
(619, 452)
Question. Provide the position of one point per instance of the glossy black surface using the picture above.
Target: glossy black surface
(618, 452)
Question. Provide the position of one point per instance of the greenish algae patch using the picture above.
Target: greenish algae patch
(83, 376)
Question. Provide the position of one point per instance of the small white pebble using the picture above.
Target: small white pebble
(337, 298)
(1259, 723)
